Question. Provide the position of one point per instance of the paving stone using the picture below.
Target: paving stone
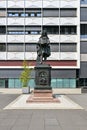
(36, 127)
(8, 122)
(5, 128)
(22, 122)
(19, 128)
(53, 128)
(51, 121)
(70, 128)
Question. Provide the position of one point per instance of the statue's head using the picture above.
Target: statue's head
(44, 33)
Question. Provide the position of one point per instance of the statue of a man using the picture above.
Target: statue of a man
(43, 48)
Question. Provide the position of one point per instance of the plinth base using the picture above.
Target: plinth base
(42, 96)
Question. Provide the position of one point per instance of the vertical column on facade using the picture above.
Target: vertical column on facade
(78, 32)
(24, 31)
(59, 29)
(6, 28)
(42, 17)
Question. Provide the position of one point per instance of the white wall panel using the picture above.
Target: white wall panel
(2, 21)
(50, 3)
(68, 21)
(15, 38)
(32, 38)
(15, 21)
(15, 4)
(30, 55)
(2, 55)
(68, 38)
(68, 56)
(33, 56)
(54, 56)
(2, 38)
(61, 21)
(33, 3)
(50, 21)
(3, 3)
(15, 55)
(53, 38)
(33, 21)
(68, 3)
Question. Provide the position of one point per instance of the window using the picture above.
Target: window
(2, 83)
(13, 14)
(68, 12)
(16, 47)
(16, 33)
(30, 47)
(2, 29)
(68, 47)
(60, 83)
(83, 47)
(50, 12)
(54, 47)
(51, 29)
(2, 47)
(38, 14)
(32, 14)
(53, 83)
(68, 30)
(63, 83)
(15, 30)
(83, 14)
(2, 13)
(83, 29)
(72, 83)
(14, 83)
(34, 32)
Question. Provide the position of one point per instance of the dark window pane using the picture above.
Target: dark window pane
(81, 82)
(2, 47)
(85, 82)
(83, 29)
(67, 30)
(51, 29)
(2, 30)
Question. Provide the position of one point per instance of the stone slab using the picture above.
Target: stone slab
(65, 103)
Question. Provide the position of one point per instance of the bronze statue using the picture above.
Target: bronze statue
(43, 48)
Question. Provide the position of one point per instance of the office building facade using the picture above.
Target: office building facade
(21, 24)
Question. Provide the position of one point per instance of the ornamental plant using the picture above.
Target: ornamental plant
(25, 74)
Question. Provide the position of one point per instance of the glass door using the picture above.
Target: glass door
(2, 83)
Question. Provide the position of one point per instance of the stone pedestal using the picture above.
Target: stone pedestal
(42, 96)
(42, 92)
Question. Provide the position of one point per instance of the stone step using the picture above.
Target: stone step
(43, 94)
(41, 101)
(43, 98)
(42, 91)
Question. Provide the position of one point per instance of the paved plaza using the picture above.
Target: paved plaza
(43, 119)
